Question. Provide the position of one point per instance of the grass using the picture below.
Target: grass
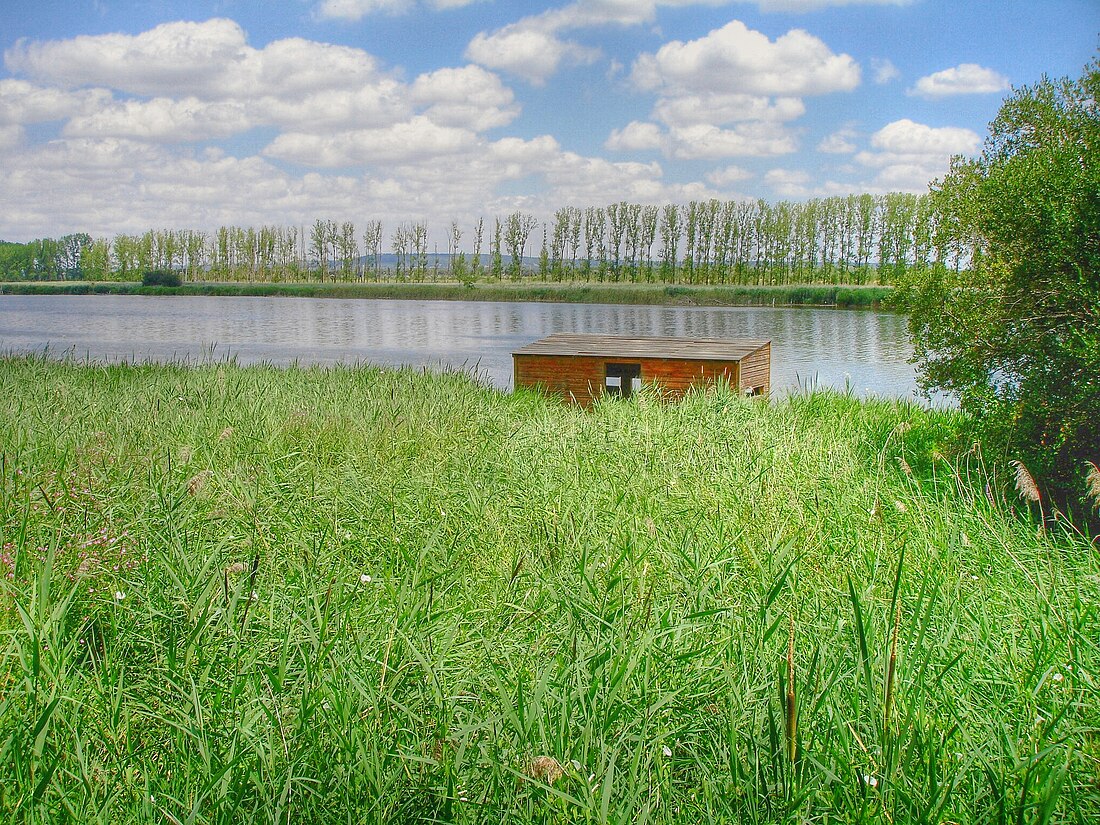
(625, 293)
(347, 595)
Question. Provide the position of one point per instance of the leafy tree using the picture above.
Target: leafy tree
(15, 261)
(1016, 334)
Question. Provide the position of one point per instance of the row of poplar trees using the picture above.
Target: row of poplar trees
(857, 239)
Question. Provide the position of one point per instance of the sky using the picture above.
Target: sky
(118, 116)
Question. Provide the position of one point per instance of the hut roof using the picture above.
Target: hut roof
(617, 346)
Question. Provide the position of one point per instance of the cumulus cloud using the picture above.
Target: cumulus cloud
(528, 51)
(727, 176)
(964, 79)
(23, 103)
(10, 137)
(905, 155)
(737, 59)
(358, 9)
(815, 5)
(416, 139)
(205, 82)
(636, 136)
(706, 141)
(788, 183)
(161, 120)
(469, 97)
(722, 108)
(838, 143)
(210, 61)
(731, 92)
(884, 70)
(533, 47)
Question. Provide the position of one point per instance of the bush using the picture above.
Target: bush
(1016, 335)
(161, 277)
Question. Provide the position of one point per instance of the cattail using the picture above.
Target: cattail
(1092, 482)
(545, 769)
(792, 701)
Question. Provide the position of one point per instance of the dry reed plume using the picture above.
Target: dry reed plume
(545, 769)
(1025, 483)
(1092, 484)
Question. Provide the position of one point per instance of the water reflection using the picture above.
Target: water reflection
(866, 351)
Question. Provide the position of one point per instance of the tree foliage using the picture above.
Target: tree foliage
(1016, 333)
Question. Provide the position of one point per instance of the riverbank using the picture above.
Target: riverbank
(257, 594)
(849, 297)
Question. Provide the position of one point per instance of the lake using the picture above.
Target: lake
(864, 351)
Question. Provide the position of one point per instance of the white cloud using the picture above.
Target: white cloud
(904, 137)
(209, 61)
(815, 5)
(718, 108)
(729, 93)
(161, 120)
(905, 155)
(884, 70)
(378, 104)
(747, 139)
(727, 176)
(23, 103)
(788, 183)
(838, 143)
(698, 141)
(533, 49)
(469, 97)
(358, 9)
(636, 137)
(737, 59)
(11, 137)
(418, 139)
(964, 79)
(527, 51)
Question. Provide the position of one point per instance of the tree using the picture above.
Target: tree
(1016, 332)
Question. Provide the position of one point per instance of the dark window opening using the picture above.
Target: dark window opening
(622, 379)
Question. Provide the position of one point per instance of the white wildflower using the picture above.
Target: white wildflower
(119, 595)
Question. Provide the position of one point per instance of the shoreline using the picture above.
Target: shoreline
(802, 295)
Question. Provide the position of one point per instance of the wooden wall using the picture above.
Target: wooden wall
(582, 377)
(756, 370)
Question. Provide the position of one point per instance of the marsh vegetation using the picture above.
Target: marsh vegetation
(254, 594)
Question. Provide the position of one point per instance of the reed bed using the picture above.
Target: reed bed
(846, 297)
(348, 595)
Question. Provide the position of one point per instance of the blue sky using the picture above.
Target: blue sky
(117, 115)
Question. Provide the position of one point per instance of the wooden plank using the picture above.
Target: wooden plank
(614, 346)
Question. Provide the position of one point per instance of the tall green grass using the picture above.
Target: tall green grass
(345, 595)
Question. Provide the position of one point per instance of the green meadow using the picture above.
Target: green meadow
(250, 594)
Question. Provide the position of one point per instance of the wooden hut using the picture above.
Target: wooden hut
(584, 367)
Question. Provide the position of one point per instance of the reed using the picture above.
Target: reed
(398, 596)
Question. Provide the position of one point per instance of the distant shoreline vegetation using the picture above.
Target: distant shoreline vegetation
(846, 297)
(855, 240)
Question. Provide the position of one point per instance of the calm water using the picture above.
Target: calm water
(866, 351)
